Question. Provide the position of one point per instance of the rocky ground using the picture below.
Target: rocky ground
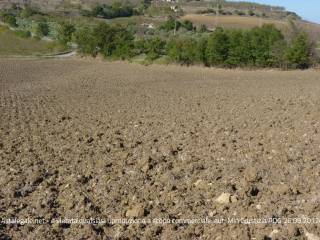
(85, 139)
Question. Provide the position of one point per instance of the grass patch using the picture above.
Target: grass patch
(11, 44)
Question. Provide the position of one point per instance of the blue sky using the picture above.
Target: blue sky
(308, 9)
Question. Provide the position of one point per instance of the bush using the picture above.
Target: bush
(182, 50)
(217, 48)
(114, 41)
(65, 33)
(86, 41)
(262, 43)
(237, 51)
(298, 54)
(154, 48)
(115, 10)
(9, 19)
(42, 29)
(111, 41)
(170, 24)
(188, 25)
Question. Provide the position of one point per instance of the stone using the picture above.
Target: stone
(311, 236)
(233, 199)
(135, 212)
(224, 198)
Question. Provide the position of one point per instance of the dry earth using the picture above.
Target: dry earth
(81, 139)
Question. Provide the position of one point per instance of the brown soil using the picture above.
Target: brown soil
(81, 139)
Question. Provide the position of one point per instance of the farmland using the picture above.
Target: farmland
(83, 138)
(242, 22)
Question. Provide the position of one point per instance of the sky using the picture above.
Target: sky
(307, 9)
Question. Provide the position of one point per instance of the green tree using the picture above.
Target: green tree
(65, 33)
(236, 54)
(182, 50)
(170, 24)
(154, 48)
(86, 41)
(262, 42)
(188, 25)
(218, 47)
(298, 54)
(9, 19)
(202, 50)
(42, 29)
(114, 41)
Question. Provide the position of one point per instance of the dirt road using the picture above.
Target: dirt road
(81, 139)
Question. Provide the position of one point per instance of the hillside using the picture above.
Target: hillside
(245, 22)
(226, 7)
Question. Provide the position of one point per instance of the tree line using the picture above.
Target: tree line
(259, 47)
(264, 46)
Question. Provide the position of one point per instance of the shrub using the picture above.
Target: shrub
(170, 24)
(114, 41)
(188, 25)
(154, 48)
(237, 51)
(86, 41)
(9, 19)
(262, 42)
(217, 48)
(117, 9)
(202, 50)
(65, 33)
(182, 50)
(42, 29)
(298, 54)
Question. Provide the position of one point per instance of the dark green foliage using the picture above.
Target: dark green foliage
(170, 24)
(111, 41)
(86, 41)
(154, 48)
(9, 19)
(298, 54)
(237, 51)
(65, 33)
(201, 56)
(42, 29)
(262, 42)
(188, 25)
(218, 47)
(114, 41)
(182, 50)
(115, 10)
(259, 47)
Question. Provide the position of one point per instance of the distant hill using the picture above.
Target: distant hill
(209, 12)
(246, 22)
